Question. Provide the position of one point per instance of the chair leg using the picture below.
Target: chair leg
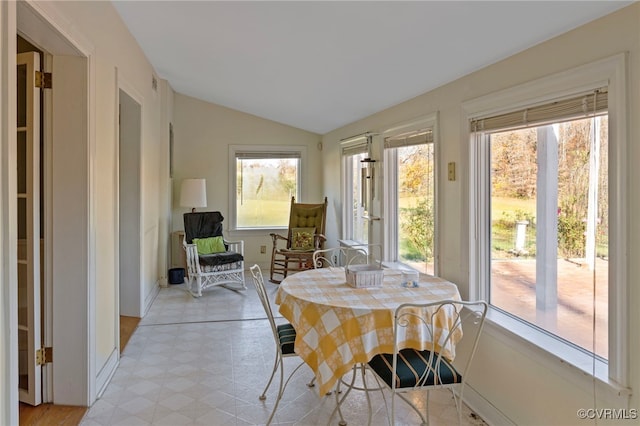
(425, 419)
(263, 396)
(384, 398)
(340, 399)
(273, 266)
(199, 282)
(427, 409)
(282, 387)
(280, 391)
(458, 401)
(366, 391)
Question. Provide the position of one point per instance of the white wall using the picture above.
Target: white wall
(94, 33)
(203, 133)
(117, 58)
(520, 388)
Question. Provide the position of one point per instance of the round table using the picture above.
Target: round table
(339, 326)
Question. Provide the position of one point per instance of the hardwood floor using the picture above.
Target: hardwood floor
(127, 326)
(49, 414)
(63, 415)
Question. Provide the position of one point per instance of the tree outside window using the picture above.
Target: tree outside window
(265, 183)
(543, 265)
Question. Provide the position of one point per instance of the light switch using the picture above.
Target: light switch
(452, 170)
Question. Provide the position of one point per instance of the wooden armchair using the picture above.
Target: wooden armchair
(294, 252)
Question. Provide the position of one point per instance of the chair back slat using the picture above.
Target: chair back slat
(348, 255)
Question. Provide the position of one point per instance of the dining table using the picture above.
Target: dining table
(339, 326)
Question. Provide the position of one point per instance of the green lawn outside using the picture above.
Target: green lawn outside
(263, 213)
(500, 205)
(503, 238)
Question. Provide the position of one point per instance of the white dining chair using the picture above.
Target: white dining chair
(284, 336)
(408, 369)
(347, 255)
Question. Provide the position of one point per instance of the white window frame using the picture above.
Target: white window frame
(611, 73)
(347, 174)
(390, 209)
(267, 151)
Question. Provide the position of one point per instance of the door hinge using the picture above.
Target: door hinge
(43, 80)
(44, 356)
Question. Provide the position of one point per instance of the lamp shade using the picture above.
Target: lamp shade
(193, 193)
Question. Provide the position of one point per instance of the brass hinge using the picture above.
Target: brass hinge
(44, 356)
(43, 80)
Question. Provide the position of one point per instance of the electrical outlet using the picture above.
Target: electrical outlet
(263, 249)
(335, 260)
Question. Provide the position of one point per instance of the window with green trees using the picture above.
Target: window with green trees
(549, 218)
(265, 181)
(410, 165)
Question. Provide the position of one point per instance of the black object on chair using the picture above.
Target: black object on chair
(211, 260)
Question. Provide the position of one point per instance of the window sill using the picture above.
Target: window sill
(569, 361)
(398, 265)
(253, 232)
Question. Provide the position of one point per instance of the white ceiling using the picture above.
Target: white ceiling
(321, 65)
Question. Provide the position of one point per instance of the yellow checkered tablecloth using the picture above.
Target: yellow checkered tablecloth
(339, 326)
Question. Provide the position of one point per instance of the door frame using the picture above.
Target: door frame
(131, 290)
(72, 209)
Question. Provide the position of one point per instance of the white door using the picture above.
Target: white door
(28, 227)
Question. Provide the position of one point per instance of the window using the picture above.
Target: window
(410, 208)
(546, 174)
(356, 212)
(410, 161)
(264, 179)
(549, 227)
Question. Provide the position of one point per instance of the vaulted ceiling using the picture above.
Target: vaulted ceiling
(321, 65)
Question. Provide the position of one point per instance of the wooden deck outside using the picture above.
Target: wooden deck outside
(514, 291)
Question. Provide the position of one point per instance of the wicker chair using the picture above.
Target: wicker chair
(211, 260)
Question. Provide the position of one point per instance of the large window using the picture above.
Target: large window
(410, 200)
(547, 219)
(410, 166)
(355, 167)
(264, 180)
(549, 227)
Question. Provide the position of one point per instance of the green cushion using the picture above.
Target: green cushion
(302, 238)
(411, 366)
(210, 245)
(287, 338)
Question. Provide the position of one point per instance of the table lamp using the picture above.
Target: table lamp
(193, 193)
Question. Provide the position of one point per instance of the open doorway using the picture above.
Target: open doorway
(131, 298)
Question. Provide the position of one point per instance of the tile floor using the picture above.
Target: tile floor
(205, 361)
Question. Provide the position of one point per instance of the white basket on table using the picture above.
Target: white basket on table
(364, 276)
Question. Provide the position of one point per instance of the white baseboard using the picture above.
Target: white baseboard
(107, 372)
(151, 297)
(483, 408)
